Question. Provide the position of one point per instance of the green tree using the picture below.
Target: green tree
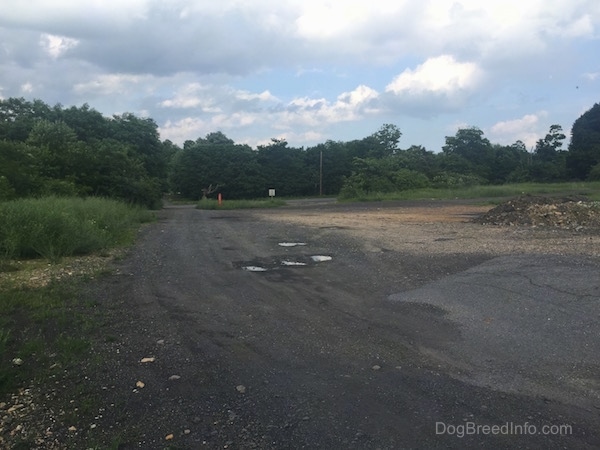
(19, 169)
(584, 148)
(548, 161)
(469, 152)
(56, 148)
(233, 168)
(337, 164)
(285, 169)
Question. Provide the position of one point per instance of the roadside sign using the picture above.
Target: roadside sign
(271, 192)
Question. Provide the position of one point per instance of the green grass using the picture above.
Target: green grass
(54, 227)
(487, 192)
(210, 203)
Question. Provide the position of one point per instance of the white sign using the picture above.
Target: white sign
(271, 192)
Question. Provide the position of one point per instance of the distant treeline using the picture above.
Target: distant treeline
(77, 151)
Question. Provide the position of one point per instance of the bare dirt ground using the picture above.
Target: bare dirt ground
(323, 325)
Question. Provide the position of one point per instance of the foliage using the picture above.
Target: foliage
(584, 149)
(455, 180)
(233, 167)
(53, 227)
(381, 175)
(77, 151)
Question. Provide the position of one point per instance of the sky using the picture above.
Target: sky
(310, 71)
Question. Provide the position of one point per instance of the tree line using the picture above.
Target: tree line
(78, 151)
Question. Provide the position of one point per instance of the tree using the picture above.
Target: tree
(337, 164)
(387, 138)
(232, 167)
(285, 168)
(56, 145)
(584, 148)
(546, 150)
(469, 152)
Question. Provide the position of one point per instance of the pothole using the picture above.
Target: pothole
(254, 268)
(281, 262)
(321, 258)
(292, 263)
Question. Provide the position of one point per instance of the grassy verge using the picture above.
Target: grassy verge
(54, 227)
(210, 203)
(44, 325)
(589, 189)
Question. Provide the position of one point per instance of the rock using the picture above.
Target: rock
(241, 388)
(174, 377)
(147, 360)
(169, 437)
(72, 428)
(17, 362)
(376, 367)
(140, 384)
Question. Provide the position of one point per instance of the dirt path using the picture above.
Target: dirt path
(260, 345)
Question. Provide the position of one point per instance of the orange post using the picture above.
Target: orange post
(220, 199)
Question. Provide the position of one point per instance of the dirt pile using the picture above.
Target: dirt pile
(571, 213)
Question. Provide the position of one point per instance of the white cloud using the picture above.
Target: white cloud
(442, 74)
(56, 46)
(526, 129)
(184, 129)
(267, 66)
(113, 84)
(27, 88)
(192, 95)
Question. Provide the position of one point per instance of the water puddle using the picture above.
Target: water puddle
(281, 263)
(291, 244)
(321, 258)
(292, 263)
(254, 268)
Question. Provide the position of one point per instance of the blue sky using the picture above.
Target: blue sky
(309, 71)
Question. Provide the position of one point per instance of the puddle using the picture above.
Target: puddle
(281, 262)
(291, 244)
(254, 268)
(292, 263)
(321, 258)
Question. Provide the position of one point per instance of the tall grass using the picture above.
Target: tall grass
(53, 227)
(590, 189)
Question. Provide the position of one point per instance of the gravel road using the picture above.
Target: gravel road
(397, 326)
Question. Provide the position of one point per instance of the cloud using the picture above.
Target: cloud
(56, 46)
(113, 84)
(271, 67)
(439, 84)
(442, 74)
(526, 129)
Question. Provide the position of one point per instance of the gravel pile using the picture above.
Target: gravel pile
(571, 213)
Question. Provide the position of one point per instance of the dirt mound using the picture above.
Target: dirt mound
(572, 213)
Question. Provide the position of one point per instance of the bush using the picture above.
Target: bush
(594, 174)
(54, 227)
(405, 179)
(454, 180)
